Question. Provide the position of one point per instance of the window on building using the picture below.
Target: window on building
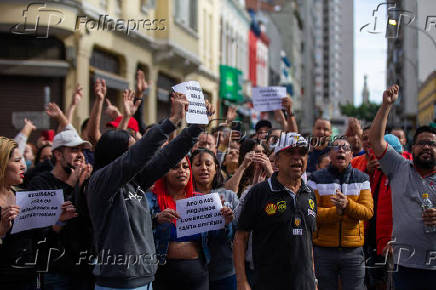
(118, 7)
(186, 13)
(105, 61)
(103, 4)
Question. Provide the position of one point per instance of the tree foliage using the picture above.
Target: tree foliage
(365, 112)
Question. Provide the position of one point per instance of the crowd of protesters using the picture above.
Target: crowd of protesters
(300, 212)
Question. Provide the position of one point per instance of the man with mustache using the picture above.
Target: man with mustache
(414, 251)
(344, 202)
(281, 213)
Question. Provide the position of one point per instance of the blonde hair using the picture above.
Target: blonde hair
(7, 146)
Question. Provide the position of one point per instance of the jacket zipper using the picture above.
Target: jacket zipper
(340, 222)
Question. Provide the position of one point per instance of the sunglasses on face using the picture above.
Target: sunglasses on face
(339, 147)
(426, 142)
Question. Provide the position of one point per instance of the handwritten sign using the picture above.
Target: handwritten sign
(199, 214)
(197, 112)
(268, 99)
(38, 209)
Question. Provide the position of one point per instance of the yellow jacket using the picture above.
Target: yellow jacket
(345, 230)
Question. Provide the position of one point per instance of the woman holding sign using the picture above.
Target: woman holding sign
(208, 179)
(183, 261)
(18, 249)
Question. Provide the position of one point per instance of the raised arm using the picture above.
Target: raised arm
(24, 134)
(141, 87)
(291, 122)
(378, 127)
(54, 112)
(131, 104)
(110, 178)
(77, 96)
(95, 116)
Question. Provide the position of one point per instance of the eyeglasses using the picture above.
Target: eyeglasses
(339, 147)
(426, 142)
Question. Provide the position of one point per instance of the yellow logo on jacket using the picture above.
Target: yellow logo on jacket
(281, 206)
(311, 203)
(271, 209)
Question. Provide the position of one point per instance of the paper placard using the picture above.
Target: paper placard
(197, 112)
(199, 214)
(268, 99)
(38, 209)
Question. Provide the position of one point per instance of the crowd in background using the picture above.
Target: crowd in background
(120, 184)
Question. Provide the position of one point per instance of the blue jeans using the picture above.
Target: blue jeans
(228, 283)
(56, 281)
(146, 287)
(346, 263)
(411, 278)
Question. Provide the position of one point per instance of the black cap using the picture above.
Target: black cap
(261, 124)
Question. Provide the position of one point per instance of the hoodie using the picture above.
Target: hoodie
(120, 216)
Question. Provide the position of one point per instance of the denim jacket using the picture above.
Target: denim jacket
(161, 233)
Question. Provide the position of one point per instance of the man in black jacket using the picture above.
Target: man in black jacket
(72, 233)
(281, 213)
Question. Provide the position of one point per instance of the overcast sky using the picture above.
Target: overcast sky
(369, 51)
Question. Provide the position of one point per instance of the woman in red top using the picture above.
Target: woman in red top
(184, 265)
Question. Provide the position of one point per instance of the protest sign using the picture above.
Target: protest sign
(199, 214)
(38, 209)
(197, 112)
(268, 99)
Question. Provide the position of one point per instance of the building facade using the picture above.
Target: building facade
(427, 101)
(76, 42)
(402, 62)
(338, 52)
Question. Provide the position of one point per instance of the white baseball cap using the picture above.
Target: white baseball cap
(288, 140)
(69, 138)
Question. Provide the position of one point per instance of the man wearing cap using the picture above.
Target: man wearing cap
(281, 213)
(344, 203)
(67, 237)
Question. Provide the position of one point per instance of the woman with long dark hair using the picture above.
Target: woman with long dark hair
(208, 179)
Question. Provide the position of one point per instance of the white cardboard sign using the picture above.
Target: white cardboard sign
(199, 214)
(268, 99)
(38, 209)
(197, 113)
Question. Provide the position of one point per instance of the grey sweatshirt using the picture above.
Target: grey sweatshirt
(122, 224)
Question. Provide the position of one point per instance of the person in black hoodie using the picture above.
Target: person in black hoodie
(120, 216)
